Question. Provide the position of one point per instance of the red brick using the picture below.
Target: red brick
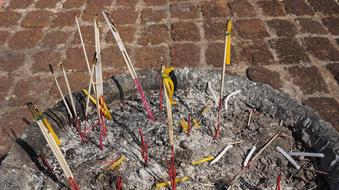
(215, 54)
(214, 9)
(321, 48)
(298, 7)
(326, 7)
(282, 27)
(126, 33)
(185, 31)
(154, 34)
(185, 55)
(54, 39)
(120, 17)
(150, 57)
(289, 51)
(70, 4)
(130, 3)
(94, 7)
(155, 2)
(64, 19)
(75, 59)
(151, 15)
(30, 89)
(242, 8)
(271, 8)
(257, 53)
(25, 39)
(251, 29)
(99, 4)
(37, 19)
(87, 34)
(43, 58)
(334, 69)
(4, 35)
(112, 57)
(9, 18)
(327, 108)
(10, 61)
(308, 79)
(20, 4)
(5, 86)
(215, 30)
(184, 10)
(263, 75)
(308, 25)
(46, 3)
(332, 23)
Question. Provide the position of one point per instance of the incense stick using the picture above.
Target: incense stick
(60, 91)
(249, 155)
(229, 96)
(89, 90)
(129, 64)
(69, 89)
(169, 117)
(221, 154)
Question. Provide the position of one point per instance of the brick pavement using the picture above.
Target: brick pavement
(293, 45)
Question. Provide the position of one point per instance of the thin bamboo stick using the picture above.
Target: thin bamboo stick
(169, 117)
(69, 89)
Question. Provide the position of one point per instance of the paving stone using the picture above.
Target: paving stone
(120, 18)
(30, 89)
(151, 15)
(257, 53)
(75, 59)
(126, 34)
(19, 4)
(271, 8)
(242, 8)
(87, 33)
(94, 8)
(263, 75)
(289, 51)
(150, 57)
(10, 61)
(308, 79)
(25, 39)
(185, 55)
(112, 57)
(327, 108)
(155, 2)
(251, 29)
(46, 3)
(4, 35)
(70, 4)
(332, 23)
(37, 19)
(43, 58)
(326, 7)
(214, 30)
(214, 9)
(54, 39)
(282, 27)
(298, 7)
(154, 34)
(5, 86)
(64, 19)
(334, 69)
(321, 48)
(184, 10)
(9, 18)
(130, 3)
(185, 31)
(215, 54)
(309, 25)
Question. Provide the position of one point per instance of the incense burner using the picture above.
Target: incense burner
(22, 168)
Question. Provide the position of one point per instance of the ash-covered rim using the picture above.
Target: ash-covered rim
(314, 133)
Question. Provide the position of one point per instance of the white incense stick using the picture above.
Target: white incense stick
(98, 70)
(249, 156)
(288, 157)
(69, 89)
(221, 154)
(89, 90)
(307, 154)
(60, 91)
(229, 96)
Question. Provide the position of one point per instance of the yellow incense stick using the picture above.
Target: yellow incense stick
(203, 160)
(103, 108)
(228, 42)
(168, 183)
(48, 125)
(168, 83)
(116, 163)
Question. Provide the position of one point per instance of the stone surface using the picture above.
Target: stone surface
(20, 4)
(214, 30)
(289, 51)
(46, 4)
(321, 48)
(64, 19)
(271, 8)
(308, 25)
(282, 27)
(215, 54)
(185, 31)
(257, 53)
(334, 69)
(184, 10)
(155, 2)
(261, 74)
(127, 34)
(43, 58)
(37, 19)
(213, 9)
(55, 39)
(326, 7)
(151, 57)
(10, 61)
(150, 15)
(251, 29)
(4, 35)
(328, 108)
(185, 55)
(298, 7)
(25, 39)
(308, 79)
(154, 34)
(119, 15)
(242, 8)
(332, 23)
(9, 18)
(68, 4)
